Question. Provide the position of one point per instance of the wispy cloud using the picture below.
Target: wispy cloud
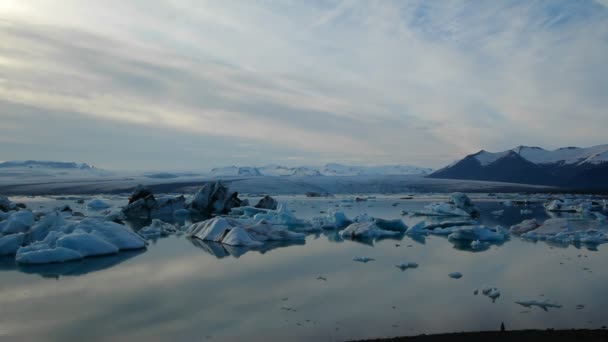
(372, 82)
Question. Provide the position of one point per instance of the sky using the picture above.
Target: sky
(181, 85)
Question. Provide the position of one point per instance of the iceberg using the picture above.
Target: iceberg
(365, 230)
(479, 233)
(267, 202)
(86, 244)
(46, 255)
(17, 222)
(157, 229)
(524, 227)
(143, 204)
(249, 232)
(455, 275)
(214, 198)
(9, 244)
(332, 220)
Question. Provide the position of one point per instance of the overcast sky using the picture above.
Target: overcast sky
(181, 84)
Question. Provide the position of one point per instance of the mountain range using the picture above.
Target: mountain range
(567, 167)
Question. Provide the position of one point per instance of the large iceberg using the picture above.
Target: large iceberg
(214, 198)
(570, 230)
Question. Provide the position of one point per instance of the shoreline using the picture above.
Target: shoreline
(515, 335)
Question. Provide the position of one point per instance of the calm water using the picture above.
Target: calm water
(183, 290)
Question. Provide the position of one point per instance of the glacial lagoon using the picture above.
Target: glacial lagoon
(185, 289)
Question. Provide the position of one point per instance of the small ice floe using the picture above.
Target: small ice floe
(98, 204)
(321, 278)
(543, 304)
(525, 212)
(507, 203)
(363, 259)
(365, 230)
(498, 212)
(405, 265)
(524, 227)
(455, 275)
(490, 292)
(577, 205)
(479, 233)
(157, 229)
(460, 205)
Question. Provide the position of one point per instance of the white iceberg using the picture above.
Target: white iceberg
(157, 229)
(86, 244)
(524, 227)
(363, 259)
(365, 230)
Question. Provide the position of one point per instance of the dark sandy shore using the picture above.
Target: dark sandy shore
(519, 336)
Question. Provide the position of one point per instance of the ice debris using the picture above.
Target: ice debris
(405, 265)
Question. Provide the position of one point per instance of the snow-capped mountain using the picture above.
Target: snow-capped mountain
(570, 167)
(332, 169)
(44, 165)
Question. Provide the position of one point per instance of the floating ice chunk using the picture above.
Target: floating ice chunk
(6, 204)
(98, 204)
(543, 304)
(210, 230)
(525, 211)
(29, 255)
(218, 228)
(463, 202)
(455, 275)
(332, 220)
(524, 227)
(157, 229)
(114, 233)
(9, 244)
(405, 265)
(365, 230)
(281, 216)
(18, 222)
(53, 221)
(86, 244)
(362, 259)
(237, 236)
(417, 229)
(396, 225)
(480, 233)
(498, 212)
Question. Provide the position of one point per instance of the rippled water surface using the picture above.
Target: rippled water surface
(190, 290)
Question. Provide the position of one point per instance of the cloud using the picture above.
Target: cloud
(368, 82)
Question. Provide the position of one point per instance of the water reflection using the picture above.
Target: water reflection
(70, 268)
